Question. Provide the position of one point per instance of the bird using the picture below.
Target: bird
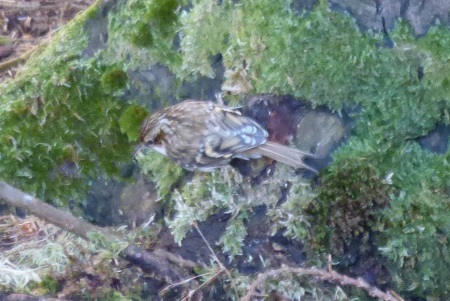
(203, 135)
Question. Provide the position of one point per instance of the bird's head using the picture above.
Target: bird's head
(153, 133)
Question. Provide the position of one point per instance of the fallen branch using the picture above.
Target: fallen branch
(324, 275)
(169, 266)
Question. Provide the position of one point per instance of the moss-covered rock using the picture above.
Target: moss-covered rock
(62, 121)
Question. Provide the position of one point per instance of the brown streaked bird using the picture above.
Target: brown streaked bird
(202, 135)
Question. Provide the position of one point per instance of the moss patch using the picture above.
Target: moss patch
(59, 126)
(399, 93)
(348, 208)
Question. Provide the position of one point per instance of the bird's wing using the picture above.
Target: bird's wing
(231, 133)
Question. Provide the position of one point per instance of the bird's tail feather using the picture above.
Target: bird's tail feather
(285, 154)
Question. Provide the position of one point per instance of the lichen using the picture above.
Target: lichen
(205, 195)
(165, 173)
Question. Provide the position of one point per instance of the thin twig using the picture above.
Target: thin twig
(324, 275)
(184, 281)
(210, 279)
(216, 259)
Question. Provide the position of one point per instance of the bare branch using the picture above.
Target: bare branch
(165, 264)
(324, 275)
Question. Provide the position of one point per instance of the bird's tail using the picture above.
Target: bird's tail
(284, 154)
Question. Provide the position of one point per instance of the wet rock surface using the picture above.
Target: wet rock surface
(381, 15)
(436, 140)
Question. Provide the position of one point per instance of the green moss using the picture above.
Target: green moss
(411, 232)
(291, 216)
(59, 127)
(319, 56)
(205, 31)
(139, 22)
(164, 172)
(348, 206)
(158, 19)
(5, 40)
(142, 36)
(50, 285)
(417, 242)
(417, 223)
(102, 293)
(92, 11)
(323, 57)
(130, 121)
(108, 248)
(162, 13)
(204, 195)
(433, 48)
(233, 238)
(114, 79)
(60, 118)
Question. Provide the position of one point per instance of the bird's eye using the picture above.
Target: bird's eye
(148, 143)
